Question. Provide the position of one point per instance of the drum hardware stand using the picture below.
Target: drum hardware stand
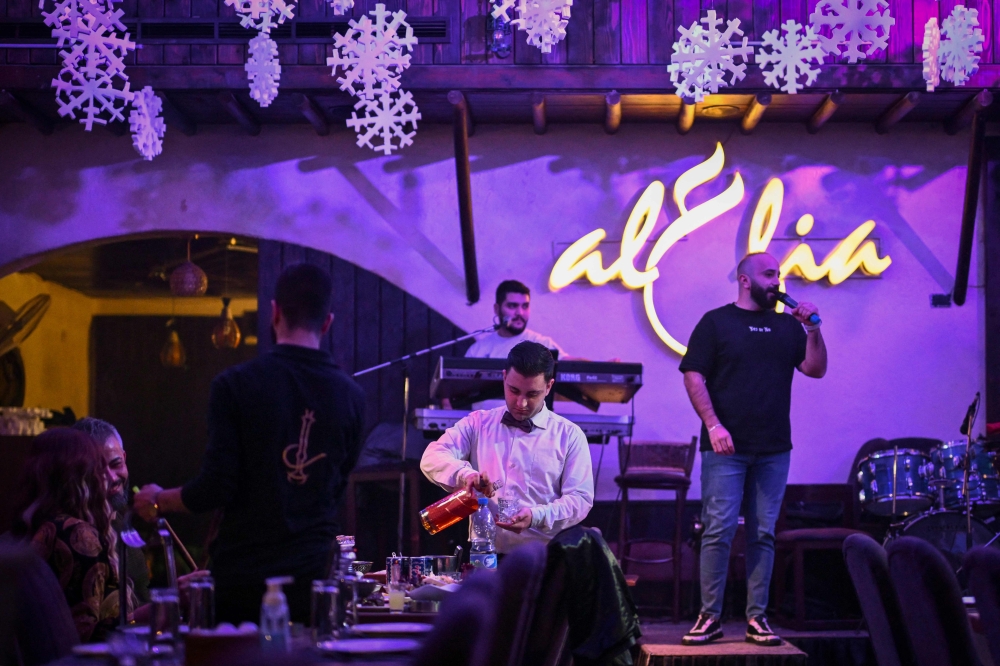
(970, 419)
(406, 411)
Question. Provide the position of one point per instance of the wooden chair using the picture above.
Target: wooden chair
(836, 503)
(387, 473)
(655, 466)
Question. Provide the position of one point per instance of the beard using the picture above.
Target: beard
(515, 326)
(119, 500)
(765, 298)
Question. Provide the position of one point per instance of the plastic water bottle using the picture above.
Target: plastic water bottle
(483, 553)
(274, 632)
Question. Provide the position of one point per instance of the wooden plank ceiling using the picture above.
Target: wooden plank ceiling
(191, 50)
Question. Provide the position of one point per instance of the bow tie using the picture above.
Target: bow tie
(509, 420)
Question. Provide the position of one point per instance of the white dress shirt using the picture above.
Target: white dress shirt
(547, 470)
(494, 345)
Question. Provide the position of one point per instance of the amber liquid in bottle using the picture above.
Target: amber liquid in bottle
(449, 510)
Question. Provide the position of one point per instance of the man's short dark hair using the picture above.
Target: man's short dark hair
(531, 359)
(743, 267)
(511, 287)
(100, 430)
(304, 293)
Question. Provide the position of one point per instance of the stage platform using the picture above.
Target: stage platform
(662, 647)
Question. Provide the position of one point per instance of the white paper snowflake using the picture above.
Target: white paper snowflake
(386, 118)
(262, 15)
(790, 57)
(501, 9)
(544, 21)
(96, 49)
(844, 26)
(69, 17)
(146, 124)
(341, 7)
(961, 44)
(263, 69)
(704, 55)
(373, 54)
(91, 96)
(932, 42)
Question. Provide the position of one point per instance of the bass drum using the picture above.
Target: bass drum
(946, 531)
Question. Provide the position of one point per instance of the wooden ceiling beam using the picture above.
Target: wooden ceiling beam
(973, 177)
(463, 177)
(538, 118)
(825, 111)
(174, 118)
(897, 112)
(612, 112)
(314, 115)
(685, 117)
(239, 113)
(964, 117)
(755, 111)
(24, 112)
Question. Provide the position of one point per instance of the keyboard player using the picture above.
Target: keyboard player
(511, 311)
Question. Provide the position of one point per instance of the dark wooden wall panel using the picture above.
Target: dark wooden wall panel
(991, 239)
(374, 322)
(600, 32)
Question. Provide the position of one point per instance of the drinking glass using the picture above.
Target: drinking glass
(507, 509)
(397, 585)
(323, 614)
(164, 621)
(201, 604)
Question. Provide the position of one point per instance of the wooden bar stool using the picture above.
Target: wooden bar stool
(655, 466)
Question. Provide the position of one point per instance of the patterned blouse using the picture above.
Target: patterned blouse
(79, 557)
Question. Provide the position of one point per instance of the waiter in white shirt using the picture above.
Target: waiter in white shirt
(511, 311)
(542, 458)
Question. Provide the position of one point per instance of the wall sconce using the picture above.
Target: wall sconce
(500, 34)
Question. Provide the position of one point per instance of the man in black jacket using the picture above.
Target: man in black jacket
(285, 431)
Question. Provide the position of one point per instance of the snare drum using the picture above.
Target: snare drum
(876, 482)
(984, 482)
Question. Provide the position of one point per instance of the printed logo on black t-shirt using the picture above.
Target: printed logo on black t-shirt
(760, 329)
(297, 469)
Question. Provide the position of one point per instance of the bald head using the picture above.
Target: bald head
(759, 278)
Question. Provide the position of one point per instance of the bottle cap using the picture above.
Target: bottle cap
(483, 501)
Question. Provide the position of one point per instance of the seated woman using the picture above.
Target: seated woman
(62, 507)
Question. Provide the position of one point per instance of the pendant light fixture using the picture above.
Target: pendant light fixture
(187, 279)
(173, 355)
(226, 334)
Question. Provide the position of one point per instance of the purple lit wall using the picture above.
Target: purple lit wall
(897, 366)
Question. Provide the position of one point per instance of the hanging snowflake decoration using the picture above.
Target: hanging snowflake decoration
(91, 96)
(373, 54)
(341, 7)
(146, 124)
(262, 15)
(92, 81)
(961, 44)
(844, 26)
(386, 118)
(703, 56)
(544, 21)
(932, 43)
(501, 9)
(790, 57)
(263, 69)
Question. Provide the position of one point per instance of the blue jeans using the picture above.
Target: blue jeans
(725, 482)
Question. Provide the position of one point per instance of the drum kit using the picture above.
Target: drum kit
(948, 496)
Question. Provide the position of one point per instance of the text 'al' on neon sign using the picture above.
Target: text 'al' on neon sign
(583, 259)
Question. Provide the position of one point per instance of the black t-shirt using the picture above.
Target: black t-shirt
(748, 359)
(284, 433)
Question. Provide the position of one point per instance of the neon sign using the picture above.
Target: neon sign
(582, 259)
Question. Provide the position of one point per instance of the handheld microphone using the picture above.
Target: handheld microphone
(970, 415)
(792, 303)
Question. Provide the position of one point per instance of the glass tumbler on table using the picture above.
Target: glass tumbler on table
(201, 604)
(397, 587)
(164, 621)
(323, 615)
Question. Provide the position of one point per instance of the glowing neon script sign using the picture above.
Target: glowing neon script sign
(583, 259)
